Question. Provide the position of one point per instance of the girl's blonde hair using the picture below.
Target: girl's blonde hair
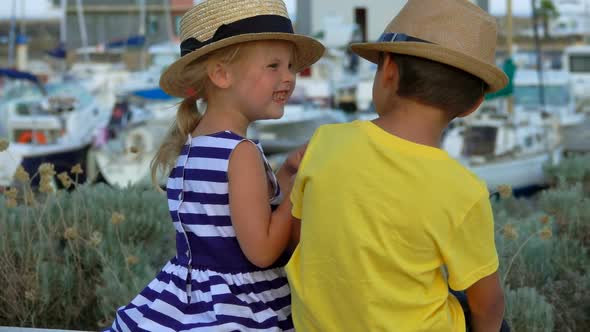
(188, 116)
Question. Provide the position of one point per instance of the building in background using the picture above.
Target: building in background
(572, 26)
(105, 21)
(39, 24)
(108, 20)
(370, 17)
(574, 18)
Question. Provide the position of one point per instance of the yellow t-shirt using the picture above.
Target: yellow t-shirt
(381, 216)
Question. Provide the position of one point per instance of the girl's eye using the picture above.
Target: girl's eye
(274, 66)
(290, 66)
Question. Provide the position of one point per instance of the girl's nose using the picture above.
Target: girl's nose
(288, 75)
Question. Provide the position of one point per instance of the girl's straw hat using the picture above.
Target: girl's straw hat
(454, 32)
(214, 24)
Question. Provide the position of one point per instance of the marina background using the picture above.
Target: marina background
(81, 115)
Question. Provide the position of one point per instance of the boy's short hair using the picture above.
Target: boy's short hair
(436, 84)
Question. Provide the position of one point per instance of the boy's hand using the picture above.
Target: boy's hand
(291, 164)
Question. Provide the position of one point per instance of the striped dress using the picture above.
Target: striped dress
(209, 285)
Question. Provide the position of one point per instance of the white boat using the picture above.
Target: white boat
(558, 99)
(295, 128)
(125, 146)
(125, 161)
(576, 61)
(506, 149)
(56, 127)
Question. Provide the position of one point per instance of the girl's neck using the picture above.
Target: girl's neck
(219, 118)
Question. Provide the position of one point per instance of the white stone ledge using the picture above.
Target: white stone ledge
(24, 329)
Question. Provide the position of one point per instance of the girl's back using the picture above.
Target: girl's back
(209, 284)
(198, 194)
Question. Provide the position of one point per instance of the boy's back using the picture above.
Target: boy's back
(381, 215)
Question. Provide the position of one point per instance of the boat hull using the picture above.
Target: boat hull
(30, 157)
(521, 174)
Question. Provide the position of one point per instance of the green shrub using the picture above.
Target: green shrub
(527, 310)
(72, 258)
(69, 259)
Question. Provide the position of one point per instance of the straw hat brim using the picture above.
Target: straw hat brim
(492, 75)
(307, 52)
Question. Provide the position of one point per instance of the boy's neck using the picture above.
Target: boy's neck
(414, 122)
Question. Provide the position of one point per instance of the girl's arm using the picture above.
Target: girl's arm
(263, 235)
(295, 234)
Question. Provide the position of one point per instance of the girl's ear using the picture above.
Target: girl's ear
(219, 74)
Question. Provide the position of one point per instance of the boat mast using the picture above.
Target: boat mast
(21, 41)
(168, 19)
(510, 98)
(539, 53)
(23, 24)
(142, 19)
(62, 23)
(12, 35)
(82, 22)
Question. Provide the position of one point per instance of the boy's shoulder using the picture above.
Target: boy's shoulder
(463, 188)
(468, 179)
(467, 174)
(340, 127)
(336, 132)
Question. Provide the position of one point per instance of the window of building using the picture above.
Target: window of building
(177, 19)
(360, 18)
(580, 63)
(153, 24)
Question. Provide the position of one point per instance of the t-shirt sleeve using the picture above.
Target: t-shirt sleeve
(470, 252)
(300, 179)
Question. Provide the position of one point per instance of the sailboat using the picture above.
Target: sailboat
(506, 144)
(503, 148)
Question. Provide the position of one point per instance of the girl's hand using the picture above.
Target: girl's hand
(291, 164)
(289, 184)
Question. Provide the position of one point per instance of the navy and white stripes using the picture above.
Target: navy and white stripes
(210, 285)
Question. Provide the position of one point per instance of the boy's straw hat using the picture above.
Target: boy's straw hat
(214, 24)
(454, 32)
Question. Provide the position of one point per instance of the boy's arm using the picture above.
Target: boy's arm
(486, 303)
(469, 252)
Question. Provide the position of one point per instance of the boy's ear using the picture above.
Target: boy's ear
(390, 71)
(219, 74)
(473, 108)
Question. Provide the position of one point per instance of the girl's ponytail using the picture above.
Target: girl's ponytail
(187, 119)
(188, 116)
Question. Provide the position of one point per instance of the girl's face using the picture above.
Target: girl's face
(262, 80)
